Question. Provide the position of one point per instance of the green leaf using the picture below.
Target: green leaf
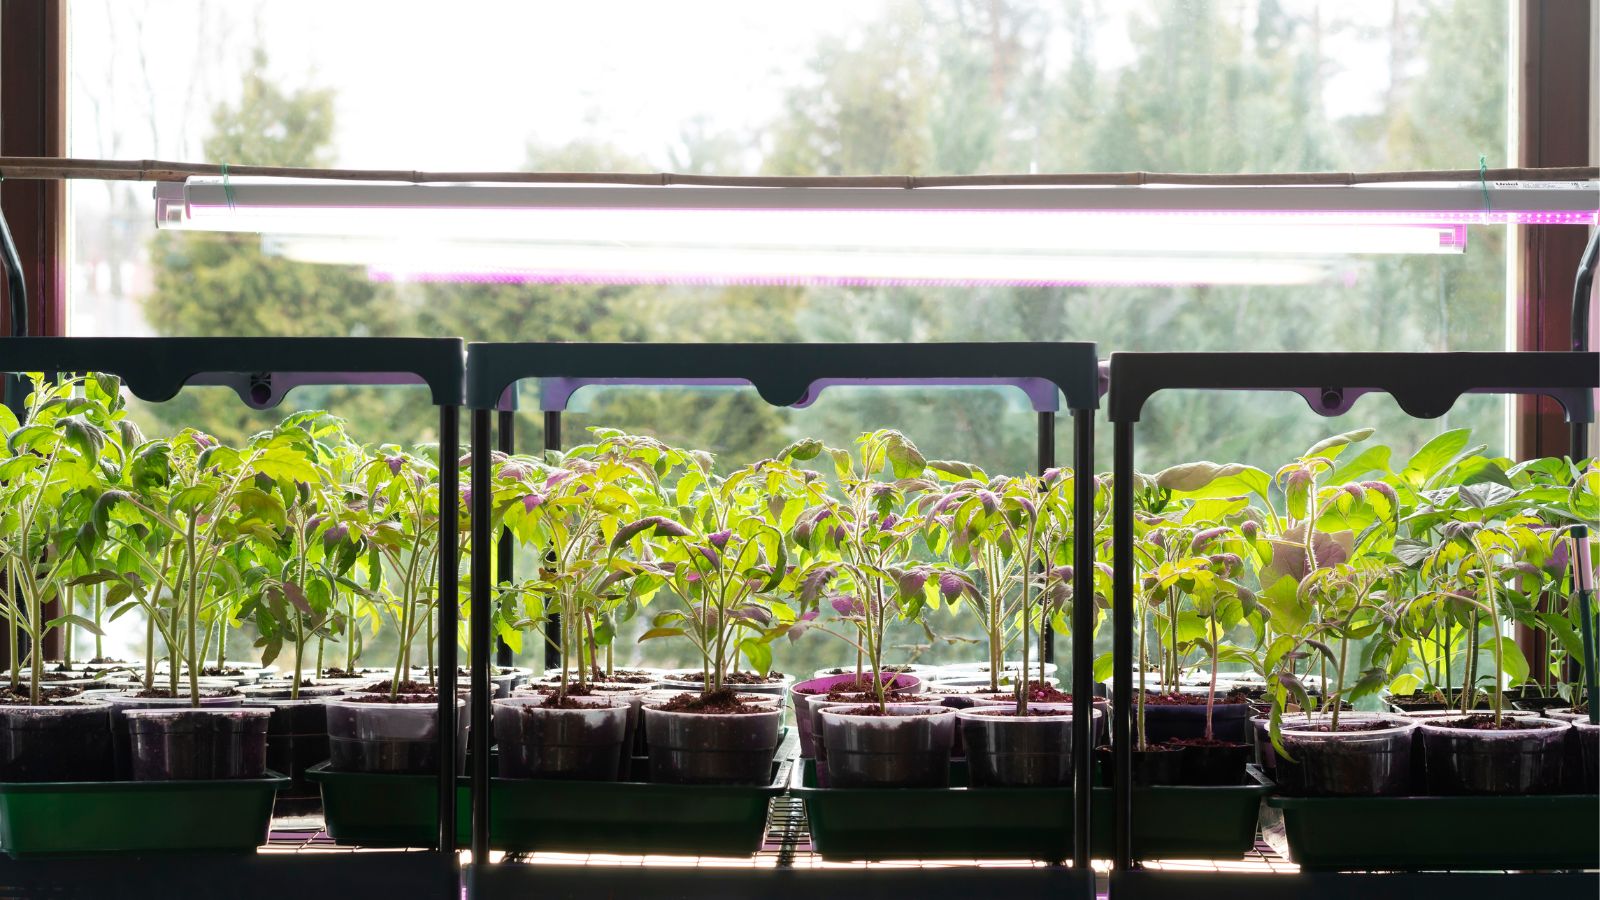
(77, 620)
(759, 653)
(1104, 666)
(1434, 456)
(1332, 447)
(661, 633)
(1199, 480)
(1289, 612)
(1370, 460)
(284, 464)
(1514, 663)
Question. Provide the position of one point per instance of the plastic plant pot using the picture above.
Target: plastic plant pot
(582, 744)
(390, 738)
(1154, 766)
(198, 744)
(1366, 758)
(1588, 735)
(1499, 761)
(297, 733)
(1212, 763)
(909, 747)
(1007, 750)
(805, 718)
(711, 748)
(1101, 705)
(1229, 721)
(982, 668)
(814, 704)
(634, 694)
(68, 741)
(123, 702)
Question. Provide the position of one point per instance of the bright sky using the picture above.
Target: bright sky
(463, 86)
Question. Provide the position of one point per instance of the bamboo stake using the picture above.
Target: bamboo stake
(53, 168)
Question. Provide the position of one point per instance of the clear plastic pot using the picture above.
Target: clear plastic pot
(123, 702)
(692, 680)
(391, 738)
(1362, 761)
(59, 742)
(1588, 735)
(198, 744)
(1501, 761)
(297, 733)
(802, 694)
(909, 747)
(1007, 750)
(584, 744)
(711, 748)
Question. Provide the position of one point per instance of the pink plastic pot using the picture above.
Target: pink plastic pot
(805, 718)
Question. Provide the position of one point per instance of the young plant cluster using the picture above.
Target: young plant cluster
(300, 531)
(1346, 574)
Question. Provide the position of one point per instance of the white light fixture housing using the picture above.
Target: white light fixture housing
(808, 235)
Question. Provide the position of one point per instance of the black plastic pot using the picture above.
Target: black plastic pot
(198, 744)
(1509, 761)
(394, 738)
(634, 694)
(1588, 736)
(121, 704)
(1541, 705)
(1229, 722)
(1153, 767)
(1346, 763)
(63, 742)
(583, 744)
(1214, 764)
(711, 748)
(297, 735)
(909, 747)
(1007, 750)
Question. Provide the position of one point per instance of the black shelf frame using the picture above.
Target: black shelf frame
(783, 375)
(1425, 385)
(262, 371)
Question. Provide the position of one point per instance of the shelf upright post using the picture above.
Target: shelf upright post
(1046, 461)
(478, 636)
(1083, 612)
(552, 628)
(505, 554)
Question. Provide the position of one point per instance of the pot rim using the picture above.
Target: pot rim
(345, 701)
(82, 703)
(586, 703)
(654, 709)
(232, 712)
(1057, 712)
(1395, 725)
(1545, 726)
(896, 710)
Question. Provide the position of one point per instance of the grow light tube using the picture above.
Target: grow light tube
(272, 204)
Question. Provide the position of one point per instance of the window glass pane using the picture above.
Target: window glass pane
(822, 88)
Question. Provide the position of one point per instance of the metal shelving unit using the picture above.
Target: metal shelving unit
(1425, 385)
(783, 375)
(262, 371)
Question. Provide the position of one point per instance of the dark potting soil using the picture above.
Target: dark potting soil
(625, 676)
(1487, 723)
(877, 711)
(859, 686)
(413, 698)
(1181, 743)
(723, 703)
(106, 661)
(563, 701)
(1343, 726)
(1180, 699)
(1045, 692)
(896, 670)
(214, 672)
(408, 686)
(56, 676)
(1030, 713)
(736, 678)
(166, 694)
(60, 696)
(573, 690)
(346, 673)
(860, 694)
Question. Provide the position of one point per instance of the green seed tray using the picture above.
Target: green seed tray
(1022, 823)
(97, 817)
(572, 816)
(1427, 833)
